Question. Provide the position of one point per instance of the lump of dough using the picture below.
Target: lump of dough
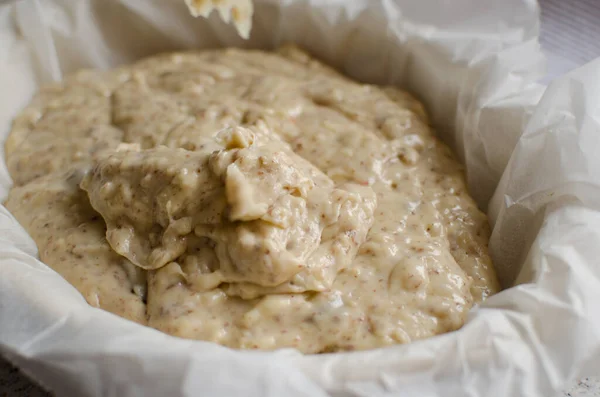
(274, 221)
(240, 11)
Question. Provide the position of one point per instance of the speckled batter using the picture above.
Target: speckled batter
(253, 199)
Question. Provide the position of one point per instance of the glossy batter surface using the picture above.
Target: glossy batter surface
(253, 199)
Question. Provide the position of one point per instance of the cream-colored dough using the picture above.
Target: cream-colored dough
(237, 11)
(253, 199)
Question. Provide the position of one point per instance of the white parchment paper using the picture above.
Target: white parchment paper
(474, 64)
